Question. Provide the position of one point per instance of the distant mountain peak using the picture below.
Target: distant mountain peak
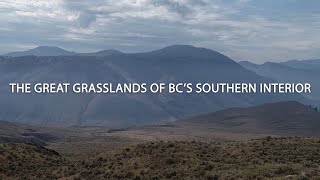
(109, 51)
(303, 64)
(42, 51)
(57, 51)
(267, 65)
(180, 46)
(48, 48)
(184, 48)
(192, 53)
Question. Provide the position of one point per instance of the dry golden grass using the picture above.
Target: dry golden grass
(26, 161)
(268, 158)
(279, 158)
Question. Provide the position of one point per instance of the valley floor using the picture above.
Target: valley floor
(272, 141)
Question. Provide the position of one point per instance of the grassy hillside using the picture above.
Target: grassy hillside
(298, 158)
(268, 158)
(26, 161)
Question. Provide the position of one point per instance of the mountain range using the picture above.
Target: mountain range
(56, 51)
(306, 71)
(303, 64)
(178, 63)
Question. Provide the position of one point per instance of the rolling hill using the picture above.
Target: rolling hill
(26, 161)
(274, 158)
(185, 149)
(22, 133)
(284, 119)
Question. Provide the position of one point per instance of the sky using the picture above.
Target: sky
(253, 30)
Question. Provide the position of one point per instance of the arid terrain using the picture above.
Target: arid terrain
(267, 158)
(271, 141)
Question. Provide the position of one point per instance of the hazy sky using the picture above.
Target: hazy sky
(255, 30)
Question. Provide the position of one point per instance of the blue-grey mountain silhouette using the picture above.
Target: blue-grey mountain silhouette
(303, 64)
(291, 71)
(177, 63)
(56, 51)
(42, 51)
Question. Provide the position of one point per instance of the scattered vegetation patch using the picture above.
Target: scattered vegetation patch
(279, 158)
(269, 158)
(27, 161)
